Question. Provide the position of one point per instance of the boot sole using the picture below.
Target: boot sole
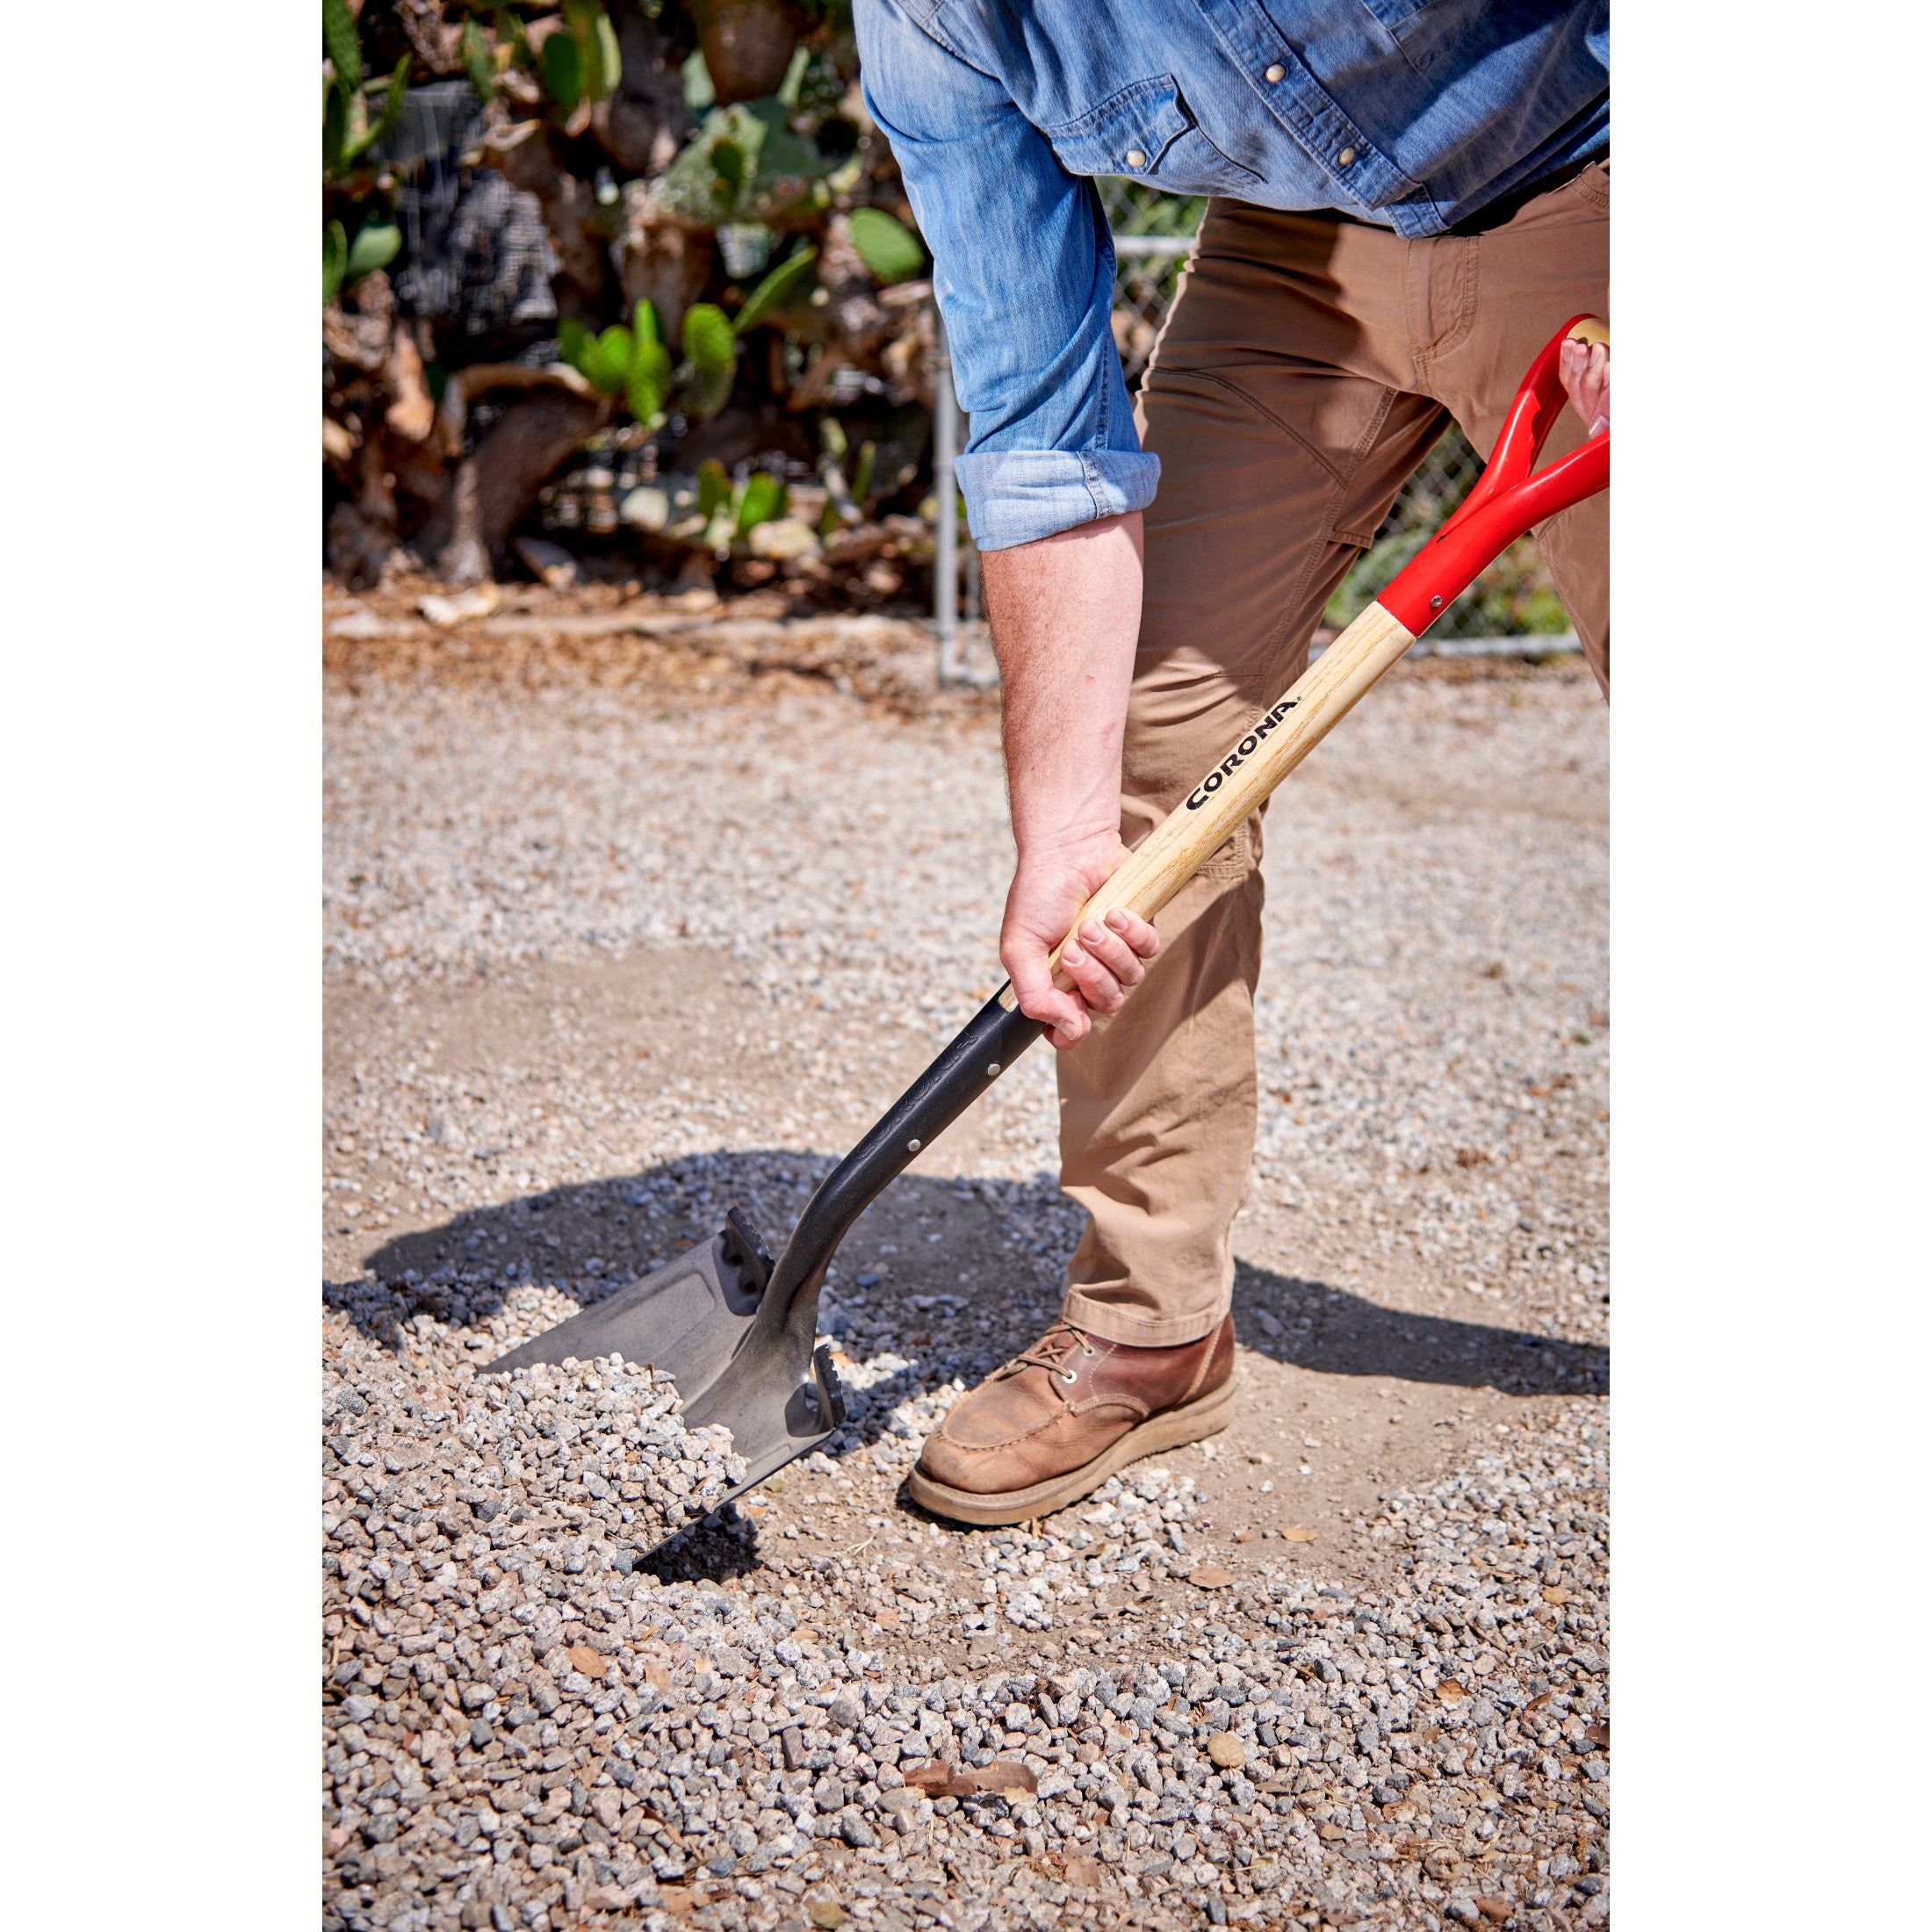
(1172, 1427)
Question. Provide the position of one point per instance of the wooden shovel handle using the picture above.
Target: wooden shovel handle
(1274, 746)
(1507, 501)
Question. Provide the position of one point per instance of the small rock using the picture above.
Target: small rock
(1227, 1750)
(447, 612)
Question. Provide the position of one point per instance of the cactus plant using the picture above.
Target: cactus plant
(711, 350)
(342, 44)
(609, 364)
(648, 383)
(762, 498)
(334, 260)
(348, 133)
(479, 62)
(579, 59)
(776, 290)
(745, 164)
(887, 247)
(377, 243)
(714, 488)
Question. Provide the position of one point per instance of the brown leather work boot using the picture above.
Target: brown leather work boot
(1056, 1421)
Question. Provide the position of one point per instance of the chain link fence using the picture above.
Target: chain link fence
(1514, 598)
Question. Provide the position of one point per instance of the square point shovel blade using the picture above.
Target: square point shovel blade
(695, 1318)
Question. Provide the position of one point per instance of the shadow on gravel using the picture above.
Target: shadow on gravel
(1313, 1326)
(957, 1290)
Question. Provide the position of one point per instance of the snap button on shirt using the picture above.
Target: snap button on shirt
(1135, 158)
(1346, 155)
(1275, 73)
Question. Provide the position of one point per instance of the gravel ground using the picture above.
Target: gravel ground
(620, 934)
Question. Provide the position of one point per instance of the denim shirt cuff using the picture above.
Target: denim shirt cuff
(1017, 496)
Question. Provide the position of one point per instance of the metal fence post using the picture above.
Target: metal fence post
(945, 491)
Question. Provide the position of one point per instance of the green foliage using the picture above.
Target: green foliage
(609, 364)
(348, 133)
(714, 488)
(699, 95)
(632, 363)
(777, 290)
(478, 61)
(335, 130)
(761, 499)
(377, 244)
(579, 61)
(888, 247)
(711, 360)
(862, 475)
(648, 381)
(710, 341)
(745, 164)
(334, 260)
(611, 60)
(343, 44)
(577, 343)
(562, 60)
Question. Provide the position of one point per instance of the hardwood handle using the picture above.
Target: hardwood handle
(1587, 328)
(1215, 808)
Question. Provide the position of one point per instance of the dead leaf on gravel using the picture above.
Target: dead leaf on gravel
(658, 1676)
(1597, 1733)
(1497, 1911)
(1083, 1871)
(1296, 1535)
(674, 1899)
(1331, 1833)
(938, 1779)
(887, 1619)
(1450, 1691)
(591, 1663)
(825, 1912)
(1210, 1576)
(1553, 1594)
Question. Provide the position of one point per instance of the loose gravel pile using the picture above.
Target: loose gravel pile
(536, 1716)
(524, 1725)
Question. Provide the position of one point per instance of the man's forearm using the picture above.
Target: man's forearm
(1066, 616)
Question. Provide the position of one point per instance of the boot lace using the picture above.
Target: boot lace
(1051, 1352)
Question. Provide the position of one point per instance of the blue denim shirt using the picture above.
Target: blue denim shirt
(1413, 113)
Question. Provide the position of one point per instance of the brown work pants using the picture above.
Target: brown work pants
(1307, 367)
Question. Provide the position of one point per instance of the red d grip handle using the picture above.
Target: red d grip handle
(1508, 499)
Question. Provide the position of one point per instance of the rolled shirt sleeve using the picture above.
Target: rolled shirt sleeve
(1023, 269)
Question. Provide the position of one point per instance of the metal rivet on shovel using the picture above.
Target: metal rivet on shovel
(992, 1071)
(912, 1147)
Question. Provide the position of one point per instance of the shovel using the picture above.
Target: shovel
(736, 1331)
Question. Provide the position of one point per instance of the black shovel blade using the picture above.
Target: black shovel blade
(695, 1319)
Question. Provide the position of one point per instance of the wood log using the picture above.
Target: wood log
(498, 482)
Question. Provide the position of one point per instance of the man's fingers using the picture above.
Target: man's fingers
(1113, 953)
(1097, 984)
(1065, 1014)
(1583, 368)
(1136, 930)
